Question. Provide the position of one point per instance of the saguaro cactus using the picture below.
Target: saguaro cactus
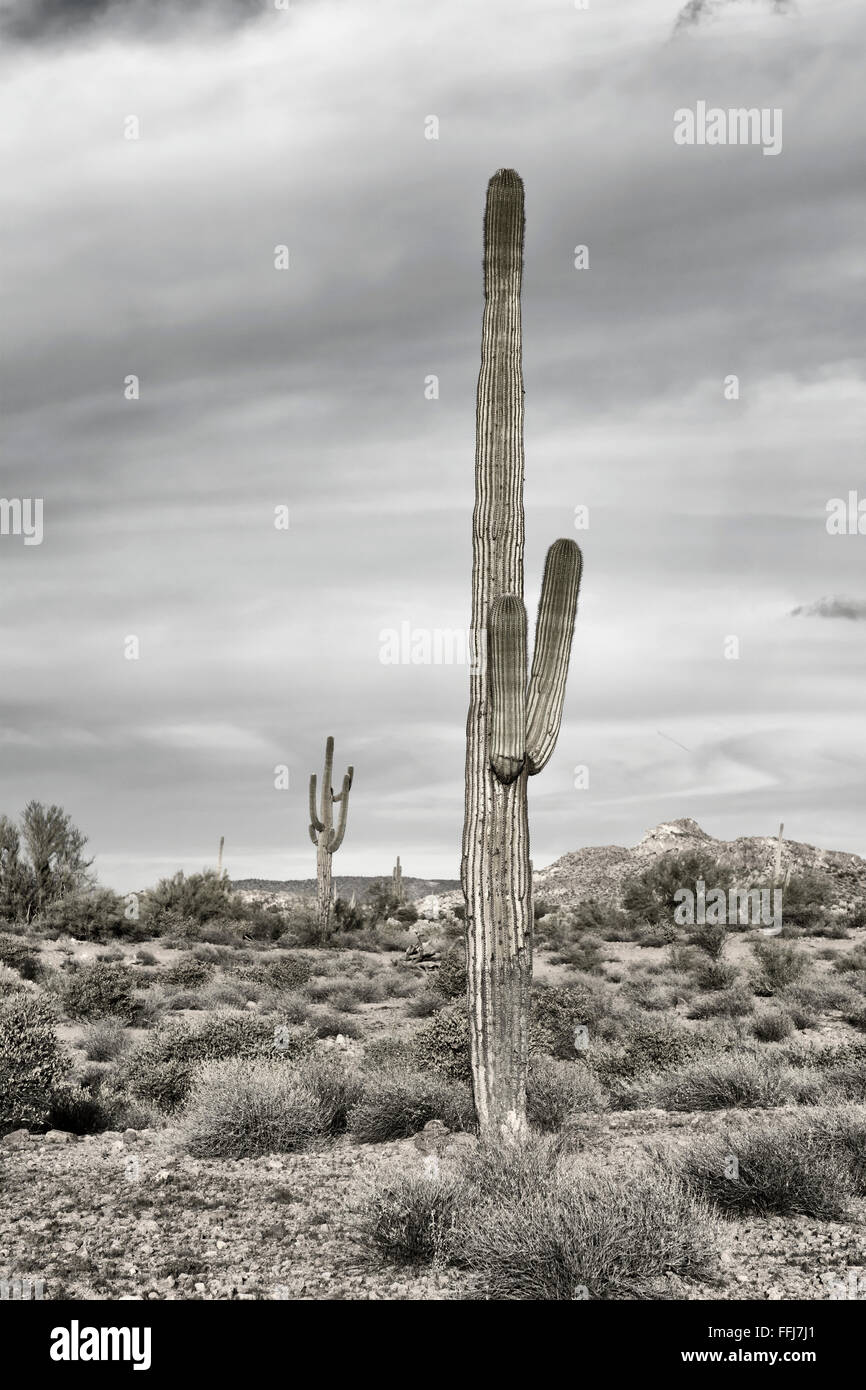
(324, 835)
(397, 880)
(511, 728)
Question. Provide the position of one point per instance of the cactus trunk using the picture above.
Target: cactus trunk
(511, 730)
(495, 866)
(323, 835)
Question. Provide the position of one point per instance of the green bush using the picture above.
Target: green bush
(556, 1012)
(187, 972)
(397, 1104)
(772, 1025)
(715, 974)
(96, 991)
(787, 1171)
(95, 914)
(450, 979)
(408, 1217)
(650, 895)
(557, 1091)
(244, 1107)
(105, 1040)
(780, 965)
(161, 1072)
(722, 1083)
(200, 897)
(648, 1045)
(442, 1044)
(527, 1229)
(32, 1065)
(283, 970)
(21, 956)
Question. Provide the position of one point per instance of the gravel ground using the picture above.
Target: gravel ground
(133, 1216)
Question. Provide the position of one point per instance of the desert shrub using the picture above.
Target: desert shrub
(805, 898)
(649, 1045)
(442, 1044)
(583, 954)
(381, 901)
(199, 897)
(284, 970)
(21, 956)
(160, 1073)
(780, 965)
(772, 1025)
(556, 1012)
(396, 1104)
(715, 974)
(143, 957)
(96, 991)
(724, 1003)
(424, 1004)
(96, 914)
(187, 972)
(347, 916)
(558, 1090)
(407, 1217)
(32, 1065)
(650, 895)
(711, 938)
(534, 1231)
(407, 913)
(75, 1109)
(819, 996)
(336, 1084)
(602, 920)
(105, 1040)
(848, 961)
(722, 1083)
(383, 1053)
(243, 1107)
(326, 1023)
(450, 978)
(787, 1171)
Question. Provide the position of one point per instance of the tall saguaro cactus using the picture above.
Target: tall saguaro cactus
(512, 727)
(323, 833)
(397, 880)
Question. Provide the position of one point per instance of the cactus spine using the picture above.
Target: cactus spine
(323, 833)
(397, 880)
(511, 727)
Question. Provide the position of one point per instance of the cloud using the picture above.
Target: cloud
(833, 606)
(305, 388)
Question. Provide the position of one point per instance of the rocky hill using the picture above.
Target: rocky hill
(601, 872)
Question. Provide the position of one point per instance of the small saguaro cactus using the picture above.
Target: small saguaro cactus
(220, 856)
(323, 833)
(397, 880)
(512, 726)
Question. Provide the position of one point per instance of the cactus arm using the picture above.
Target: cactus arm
(553, 636)
(336, 836)
(314, 819)
(347, 779)
(314, 835)
(507, 686)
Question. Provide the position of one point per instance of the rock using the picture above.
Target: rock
(130, 1136)
(17, 1138)
(58, 1136)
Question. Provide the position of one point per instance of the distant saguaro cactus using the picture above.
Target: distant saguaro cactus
(397, 880)
(220, 856)
(324, 836)
(512, 727)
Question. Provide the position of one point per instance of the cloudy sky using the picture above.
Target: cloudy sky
(304, 388)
